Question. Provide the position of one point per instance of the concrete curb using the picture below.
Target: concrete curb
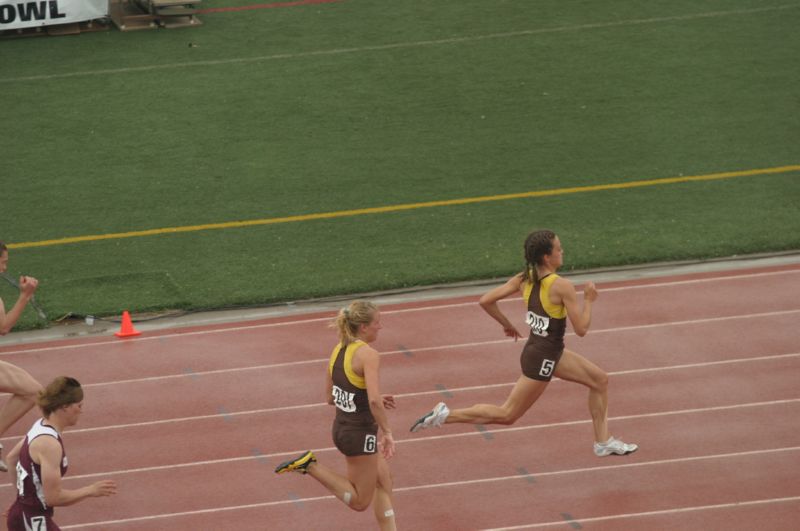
(107, 328)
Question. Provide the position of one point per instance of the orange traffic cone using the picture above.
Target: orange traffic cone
(126, 330)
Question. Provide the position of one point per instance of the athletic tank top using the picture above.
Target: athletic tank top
(548, 321)
(29, 474)
(349, 389)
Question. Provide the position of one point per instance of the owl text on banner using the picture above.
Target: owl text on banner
(19, 14)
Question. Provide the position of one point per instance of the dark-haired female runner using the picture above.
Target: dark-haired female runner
(551, 300)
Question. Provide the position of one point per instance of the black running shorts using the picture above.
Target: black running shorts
(539, 361)
(355, 439)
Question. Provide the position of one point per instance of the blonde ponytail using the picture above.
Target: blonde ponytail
(351, 317)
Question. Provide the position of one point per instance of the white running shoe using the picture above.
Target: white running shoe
(435, 417)
(614, 447)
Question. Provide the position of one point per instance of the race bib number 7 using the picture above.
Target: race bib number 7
(343, 400)
(538, 324)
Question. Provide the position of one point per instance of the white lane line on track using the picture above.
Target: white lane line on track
(231, 414)
(196, 374)
(702, 280)
(515, 477)
(677, 510)
(128, 341)
(279, 455)
(400, 45)
(604, 468)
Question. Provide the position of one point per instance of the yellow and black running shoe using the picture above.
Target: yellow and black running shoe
(298, 464)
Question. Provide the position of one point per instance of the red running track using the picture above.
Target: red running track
(704, 376)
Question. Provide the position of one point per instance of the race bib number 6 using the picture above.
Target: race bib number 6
(343, 400)
(370, 444)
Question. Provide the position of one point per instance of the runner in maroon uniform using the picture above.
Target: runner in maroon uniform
(13, 380)
(39, 461)
(550, 300)
(353, 387)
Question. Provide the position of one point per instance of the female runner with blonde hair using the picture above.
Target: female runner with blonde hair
(353, 386)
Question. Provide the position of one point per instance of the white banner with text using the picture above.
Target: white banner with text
(18, 14)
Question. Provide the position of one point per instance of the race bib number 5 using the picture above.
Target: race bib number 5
(343, 400)
(538, 324)
(547, 367)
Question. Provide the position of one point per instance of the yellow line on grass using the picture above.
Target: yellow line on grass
(410, 206)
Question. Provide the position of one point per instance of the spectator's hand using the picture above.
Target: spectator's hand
(27, 285)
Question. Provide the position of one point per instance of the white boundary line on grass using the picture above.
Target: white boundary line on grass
(119, 342)
(400, 45)
(515, 477)
(677, 510)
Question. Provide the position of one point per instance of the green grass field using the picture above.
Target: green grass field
(296, 111)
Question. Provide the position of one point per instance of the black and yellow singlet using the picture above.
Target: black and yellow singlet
(349, 389)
